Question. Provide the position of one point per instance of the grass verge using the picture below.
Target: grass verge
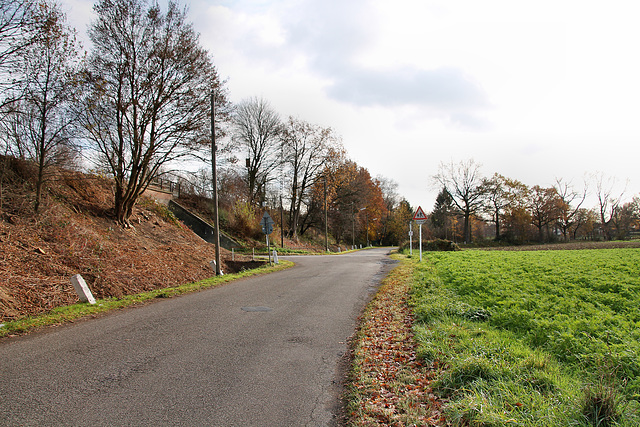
(73, 312)
(387, 384)
(433, 347)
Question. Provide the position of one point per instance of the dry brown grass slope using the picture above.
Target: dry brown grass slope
(74, 233)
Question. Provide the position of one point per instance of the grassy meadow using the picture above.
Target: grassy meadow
(544, 338)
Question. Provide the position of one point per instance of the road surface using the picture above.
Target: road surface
(262, 351)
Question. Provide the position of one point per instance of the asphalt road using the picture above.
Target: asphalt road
(262, 351)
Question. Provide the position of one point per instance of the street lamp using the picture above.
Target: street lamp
(374, 230)
(353, 228)
(214, 183)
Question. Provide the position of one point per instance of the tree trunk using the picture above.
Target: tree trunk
(293, 213)
(42, 153)
(605, 227)
(467, 227)
(39, 184)
(119, 205)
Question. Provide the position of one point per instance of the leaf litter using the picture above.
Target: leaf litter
(389, 386)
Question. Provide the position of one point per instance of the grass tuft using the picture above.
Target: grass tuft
(601, 405)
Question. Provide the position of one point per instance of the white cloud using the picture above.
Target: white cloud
(533, 90)
(440, 88)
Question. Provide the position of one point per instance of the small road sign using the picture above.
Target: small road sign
(267, 224)
(419, 216)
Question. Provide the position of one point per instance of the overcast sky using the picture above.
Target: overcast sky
(532, 90)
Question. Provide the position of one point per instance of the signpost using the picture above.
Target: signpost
(267, 228)
(420, 218)
(410, 242)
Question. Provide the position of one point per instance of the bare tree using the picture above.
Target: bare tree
(608, 202)
(389, 189)
(257, 130)
(148, 87)
(43, 121)
(306, 149)
(571, 202)
(20, 27)
(463, 182)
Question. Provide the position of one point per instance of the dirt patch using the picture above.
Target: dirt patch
(238, 266)
(75, 234)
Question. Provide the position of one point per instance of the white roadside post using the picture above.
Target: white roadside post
(213, 265)
(420, 218)
(83, 291)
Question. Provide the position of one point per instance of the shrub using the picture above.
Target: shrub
(244, 222)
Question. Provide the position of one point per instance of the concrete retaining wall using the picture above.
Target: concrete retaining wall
(201, 227)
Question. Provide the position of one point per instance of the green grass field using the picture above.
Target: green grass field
(533, 338)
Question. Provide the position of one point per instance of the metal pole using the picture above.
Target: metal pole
(268, 249)
(366, 219)
(420, 242)
(353, 228)
(214, 182)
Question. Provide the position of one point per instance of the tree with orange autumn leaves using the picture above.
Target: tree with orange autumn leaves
(356, 209)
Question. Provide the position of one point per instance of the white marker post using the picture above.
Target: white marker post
(420, 218)
(83, 291)
(213, 265)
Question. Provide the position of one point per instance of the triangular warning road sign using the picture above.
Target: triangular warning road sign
(419, 215)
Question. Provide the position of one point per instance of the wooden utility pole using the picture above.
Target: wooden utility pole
(326, 228)
(281, 223)
(214, 182)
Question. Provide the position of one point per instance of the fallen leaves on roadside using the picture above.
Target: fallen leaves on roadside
(388, 384)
